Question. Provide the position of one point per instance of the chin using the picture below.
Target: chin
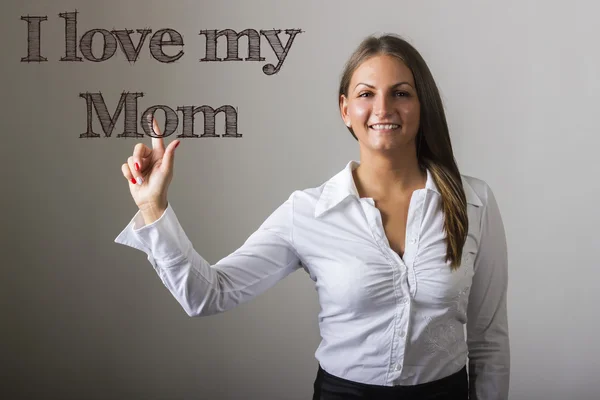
(388, 142)
(389, 145)
(383, 147)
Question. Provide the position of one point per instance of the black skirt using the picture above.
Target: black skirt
(453, 387)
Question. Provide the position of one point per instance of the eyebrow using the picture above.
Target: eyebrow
(373, 87)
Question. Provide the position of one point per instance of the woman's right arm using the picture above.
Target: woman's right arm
(266, 257)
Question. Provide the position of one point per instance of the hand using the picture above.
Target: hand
(149, 172)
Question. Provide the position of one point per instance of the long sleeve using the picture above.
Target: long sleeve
(265, 258)
(487, 321)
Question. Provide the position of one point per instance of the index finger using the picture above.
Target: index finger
(157, 142)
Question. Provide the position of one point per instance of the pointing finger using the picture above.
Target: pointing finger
(170, 154)
(157, 142)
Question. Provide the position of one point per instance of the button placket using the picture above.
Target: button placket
(401, 272)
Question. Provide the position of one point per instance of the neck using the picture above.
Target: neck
(384, 177)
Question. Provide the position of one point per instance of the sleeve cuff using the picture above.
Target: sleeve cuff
(164, 239)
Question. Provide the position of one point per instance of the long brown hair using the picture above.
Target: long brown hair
(434, 150)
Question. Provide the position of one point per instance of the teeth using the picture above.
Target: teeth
(385, 126)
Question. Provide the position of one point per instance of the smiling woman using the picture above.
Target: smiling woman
(382, 107)
(403, 249)
(390, 103)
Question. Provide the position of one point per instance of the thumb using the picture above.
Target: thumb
(169, 156)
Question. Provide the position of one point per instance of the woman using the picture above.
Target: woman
(404, 250)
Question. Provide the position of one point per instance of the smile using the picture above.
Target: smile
(384, 127)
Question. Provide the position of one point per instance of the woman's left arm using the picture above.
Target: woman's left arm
(487, 320)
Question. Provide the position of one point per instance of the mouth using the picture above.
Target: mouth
(384, 127)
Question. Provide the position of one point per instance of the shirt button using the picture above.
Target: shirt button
(413, 241)
(404, 300)
(402, 334)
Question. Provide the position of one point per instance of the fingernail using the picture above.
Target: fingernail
(133, 180)
(140, 180)
(177, 144)
(137, 166)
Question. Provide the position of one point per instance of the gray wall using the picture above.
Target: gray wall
(85, 318)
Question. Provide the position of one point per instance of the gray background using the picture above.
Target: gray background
(85, 318)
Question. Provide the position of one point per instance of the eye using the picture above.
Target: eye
(364, 94)
(402, 94)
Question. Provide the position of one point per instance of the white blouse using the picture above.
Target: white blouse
(384, 319)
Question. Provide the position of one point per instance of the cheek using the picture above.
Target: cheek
(411, 112)
(358, 111)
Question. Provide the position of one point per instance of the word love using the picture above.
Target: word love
(109, 41)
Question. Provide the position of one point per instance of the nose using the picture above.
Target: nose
(382, 107)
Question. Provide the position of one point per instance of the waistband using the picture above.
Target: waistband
(453, 387)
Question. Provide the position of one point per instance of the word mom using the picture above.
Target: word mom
(111, 40)
(128, 101)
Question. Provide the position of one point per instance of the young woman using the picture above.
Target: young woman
(404, 250)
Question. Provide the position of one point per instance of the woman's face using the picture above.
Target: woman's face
(382, 106)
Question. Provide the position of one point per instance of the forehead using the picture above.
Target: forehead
(382, 69)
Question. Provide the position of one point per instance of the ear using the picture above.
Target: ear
(344, 110)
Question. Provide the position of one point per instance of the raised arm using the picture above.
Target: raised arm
(266, 257)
